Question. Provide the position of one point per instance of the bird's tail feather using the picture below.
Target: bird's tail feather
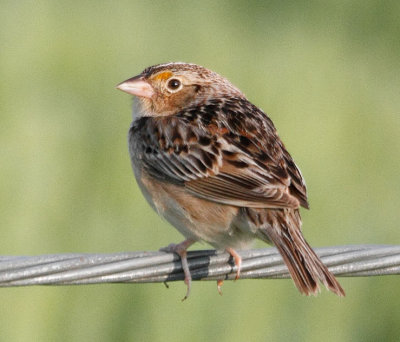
(283, 229)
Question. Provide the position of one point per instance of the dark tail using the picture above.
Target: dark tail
(283, 229)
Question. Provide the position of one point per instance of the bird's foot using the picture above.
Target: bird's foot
(220, 282)
(238, 263)
(237, 260)
(181, 250)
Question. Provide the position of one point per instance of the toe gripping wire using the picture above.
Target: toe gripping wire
(153, 267)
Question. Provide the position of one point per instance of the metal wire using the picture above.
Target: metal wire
(151, 267)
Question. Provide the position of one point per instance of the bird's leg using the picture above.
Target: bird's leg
(181, 250)
(238, 263)
(237, 259)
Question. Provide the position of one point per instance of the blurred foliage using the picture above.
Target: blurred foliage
(328, 74)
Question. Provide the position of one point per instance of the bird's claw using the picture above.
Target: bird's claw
(180, 249)
(220, 282)
(237, 260)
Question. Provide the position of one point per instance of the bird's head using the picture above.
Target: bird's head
(166, 89)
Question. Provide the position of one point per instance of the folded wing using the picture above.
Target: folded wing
(207, 151)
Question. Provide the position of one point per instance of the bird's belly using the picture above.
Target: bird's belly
(193, 217)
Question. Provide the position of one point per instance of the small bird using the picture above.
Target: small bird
(212, 164)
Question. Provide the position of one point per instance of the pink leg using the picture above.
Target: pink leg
(180, 249)
(238, 263)
(237, 259)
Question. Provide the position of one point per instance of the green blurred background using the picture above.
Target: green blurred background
(328, 74)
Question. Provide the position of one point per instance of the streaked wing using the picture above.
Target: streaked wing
(234, 157)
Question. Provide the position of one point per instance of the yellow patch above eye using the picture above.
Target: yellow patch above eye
(163, 75)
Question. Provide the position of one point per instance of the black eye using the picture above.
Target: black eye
(173, 84)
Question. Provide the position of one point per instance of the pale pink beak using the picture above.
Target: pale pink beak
(137, 86)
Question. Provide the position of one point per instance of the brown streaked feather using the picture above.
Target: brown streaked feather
(234, 190)
(232, 166)
(282, 228)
